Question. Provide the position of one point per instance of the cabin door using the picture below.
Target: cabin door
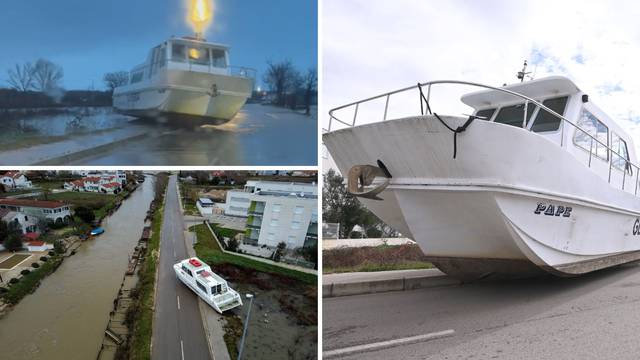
(157, 59)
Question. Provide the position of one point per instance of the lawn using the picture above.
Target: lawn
(208, 250)
(12, 261)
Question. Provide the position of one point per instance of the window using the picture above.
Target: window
(486, 113)
(513, 115)
(274, 222)
(291, 242)
(595, 128)
(201, 287)
(545, 121)
(295, 225)
(271, 237)
(299, 210)
(137, 77)
(276, 207)
(178, 52)
(620, 146)
(184, 268)
(216, 289)
(219, 59)
(199, 55)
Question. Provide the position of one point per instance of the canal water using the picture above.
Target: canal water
(66, 317)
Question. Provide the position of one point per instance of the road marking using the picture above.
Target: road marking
(182, 349)
(178, 302)
(387, 344)
(174, 253)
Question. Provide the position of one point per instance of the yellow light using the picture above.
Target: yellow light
(200, 15)
(194, 53)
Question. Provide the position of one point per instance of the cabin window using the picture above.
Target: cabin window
(487, 114)
(201, 287)
(184, 268)
(137, 77)
(621, 159)
(594, 127)
(513, 115)
(199, 55)
(178, 52)
(218, 58)
(217, 289)
(546, 121)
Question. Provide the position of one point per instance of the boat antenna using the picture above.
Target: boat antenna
(521, 74)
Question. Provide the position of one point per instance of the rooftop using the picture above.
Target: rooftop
(32, 203)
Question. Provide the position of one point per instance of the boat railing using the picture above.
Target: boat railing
(242, 71)
(152, 68)
(629, 166)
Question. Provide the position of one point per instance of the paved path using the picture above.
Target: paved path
(177, 328)
(589, 317)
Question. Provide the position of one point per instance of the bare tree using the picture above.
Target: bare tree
(21, 78)
(281, 78)
(310, 83)
(47, 75)
(115, 79)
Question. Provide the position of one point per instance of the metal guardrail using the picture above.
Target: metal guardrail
(527, 100)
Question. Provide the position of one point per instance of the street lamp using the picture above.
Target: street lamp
(246, 324)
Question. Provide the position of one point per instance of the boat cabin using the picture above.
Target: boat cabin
(561, 95)
(183, 54)
(208, 282)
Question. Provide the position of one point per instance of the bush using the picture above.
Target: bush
(85, 214)
(3, 290)
(35, 265)
(51, 253)
(14, 281)
(25, 272)
(59, 247)
(44, 258)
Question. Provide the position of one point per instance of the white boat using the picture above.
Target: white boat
(537, 179)
(211, 288)
(186, 79)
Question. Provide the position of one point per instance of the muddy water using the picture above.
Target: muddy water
(66, 316)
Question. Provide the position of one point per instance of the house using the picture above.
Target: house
(205, 206)
(105, 183)
(111, 188)
(37, 246)
(277, 212)
(50, 211)
(15, 180)
(24, 222)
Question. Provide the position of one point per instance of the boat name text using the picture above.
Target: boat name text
(552, 210)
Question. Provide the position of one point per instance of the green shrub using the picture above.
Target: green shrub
(3, 290)
(25, 272)
(44, 258)
(35, 265)
(14, 281)
(51, 253)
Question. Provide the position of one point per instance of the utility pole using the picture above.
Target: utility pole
(246, 325)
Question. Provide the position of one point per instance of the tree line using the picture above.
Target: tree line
(291, 87)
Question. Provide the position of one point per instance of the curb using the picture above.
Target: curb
(66, 158)
(337, 289)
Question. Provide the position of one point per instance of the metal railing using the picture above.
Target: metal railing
(629, 166)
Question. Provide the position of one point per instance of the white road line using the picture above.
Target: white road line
(182, 349)
(178, 297)
(174, 252)
(387, 344)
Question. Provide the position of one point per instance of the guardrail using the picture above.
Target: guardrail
(629, 166)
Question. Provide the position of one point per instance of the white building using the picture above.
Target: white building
(22, 221)
(15, 180)
(277, 212)
(205, 206)
(108, 183)
(52, 211)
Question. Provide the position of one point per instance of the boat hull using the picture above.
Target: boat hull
(511, 204)
(178, 95)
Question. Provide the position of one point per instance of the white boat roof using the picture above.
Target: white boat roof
(187, 40)
(203, 271)
(552, 85)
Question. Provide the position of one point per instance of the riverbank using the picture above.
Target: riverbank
(143, 305)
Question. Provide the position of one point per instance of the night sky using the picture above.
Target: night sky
(89, 38)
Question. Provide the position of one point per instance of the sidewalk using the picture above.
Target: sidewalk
(346, 284)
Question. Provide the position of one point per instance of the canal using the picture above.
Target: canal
(66, 316)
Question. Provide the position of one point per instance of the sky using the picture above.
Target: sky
(90, 38)
(372, 47)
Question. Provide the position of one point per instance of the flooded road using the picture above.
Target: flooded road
(258, 135)
(66, 316)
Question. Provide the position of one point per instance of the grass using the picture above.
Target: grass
(143, 324)
(31, 281)
(374, 258)
(13, 260)
(208, 250)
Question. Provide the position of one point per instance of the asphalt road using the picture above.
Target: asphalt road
(258, 135)
(177, 328)
(595, 316)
